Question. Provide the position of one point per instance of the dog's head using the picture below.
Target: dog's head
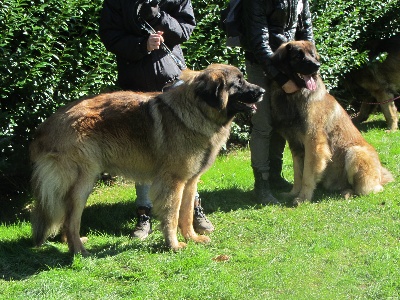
(299, 61)
(224, 88)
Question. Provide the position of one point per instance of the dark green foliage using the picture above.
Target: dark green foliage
(51, 54)
(343, 27)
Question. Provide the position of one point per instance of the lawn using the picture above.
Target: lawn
(328, 249)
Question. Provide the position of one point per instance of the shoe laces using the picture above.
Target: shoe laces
(143, 220)
(199, 212)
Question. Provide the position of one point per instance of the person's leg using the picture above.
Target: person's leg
(143, 225)
(277, 146)
(260, 138)
(143, 228)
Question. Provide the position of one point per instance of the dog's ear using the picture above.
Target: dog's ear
(280, 58)
(281, 53)
(210, 89)
(288, 47)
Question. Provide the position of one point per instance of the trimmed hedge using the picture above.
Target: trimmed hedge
(51, 54)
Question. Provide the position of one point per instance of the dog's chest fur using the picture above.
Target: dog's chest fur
(298, 112)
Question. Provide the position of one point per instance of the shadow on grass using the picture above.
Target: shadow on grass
(19, 260)
(376, 124)
(234, 199)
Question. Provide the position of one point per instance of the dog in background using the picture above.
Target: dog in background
(167, 139)
(326, 147)
(380, 81)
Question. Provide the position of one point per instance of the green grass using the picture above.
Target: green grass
(328, 249)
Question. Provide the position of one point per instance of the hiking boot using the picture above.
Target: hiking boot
(262, 190)
(201, 223)
(143, 225)
(279, 183)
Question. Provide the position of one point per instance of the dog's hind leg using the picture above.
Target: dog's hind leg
(363, 170)
(75, 202)
(186, 213)
(166, 196)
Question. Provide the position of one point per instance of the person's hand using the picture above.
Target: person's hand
(290, 87)
(149, 10)
(154, 41)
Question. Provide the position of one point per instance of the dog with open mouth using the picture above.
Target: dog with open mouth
(326, 147)
(165, 139)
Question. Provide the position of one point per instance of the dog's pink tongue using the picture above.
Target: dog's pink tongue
(252, 106)
(310, 82)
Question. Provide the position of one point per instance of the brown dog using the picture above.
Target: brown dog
(325, 145)
(381, 81)
(167, 139)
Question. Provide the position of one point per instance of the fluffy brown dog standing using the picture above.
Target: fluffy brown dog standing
(325, 145)
(167, 139)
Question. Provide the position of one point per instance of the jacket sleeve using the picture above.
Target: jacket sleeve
(122, 35)
(304, 30)
(257, 36)
(177, 21)
(120, 32)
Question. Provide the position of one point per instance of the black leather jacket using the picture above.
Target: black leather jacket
(269, 23)
(122, 35)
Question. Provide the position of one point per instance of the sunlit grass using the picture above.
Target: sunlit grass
(328, 249)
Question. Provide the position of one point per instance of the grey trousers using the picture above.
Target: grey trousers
(142, 195)
(266, 145)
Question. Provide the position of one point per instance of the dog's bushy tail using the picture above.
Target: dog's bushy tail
(386, 176)
(52, 179)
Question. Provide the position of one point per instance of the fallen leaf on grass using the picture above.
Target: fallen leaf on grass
(221, 257)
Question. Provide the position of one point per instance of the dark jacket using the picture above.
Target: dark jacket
(269, 23)
(121, 33)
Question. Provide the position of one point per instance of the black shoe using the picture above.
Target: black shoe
(262, 190)
(265, 197)
(201, 223)
(279, 183)
(143, 225)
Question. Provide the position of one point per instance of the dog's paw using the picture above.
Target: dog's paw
(81, 251)
(298, 200)
(346, 194)
(202, 239)
(85, 253)
(179, 246)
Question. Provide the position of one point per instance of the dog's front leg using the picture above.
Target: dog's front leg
(298, 165)
(316, 157)
(186, 213)
(166, 196)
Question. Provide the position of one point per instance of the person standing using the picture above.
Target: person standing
(267, 24)
(145, 36)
